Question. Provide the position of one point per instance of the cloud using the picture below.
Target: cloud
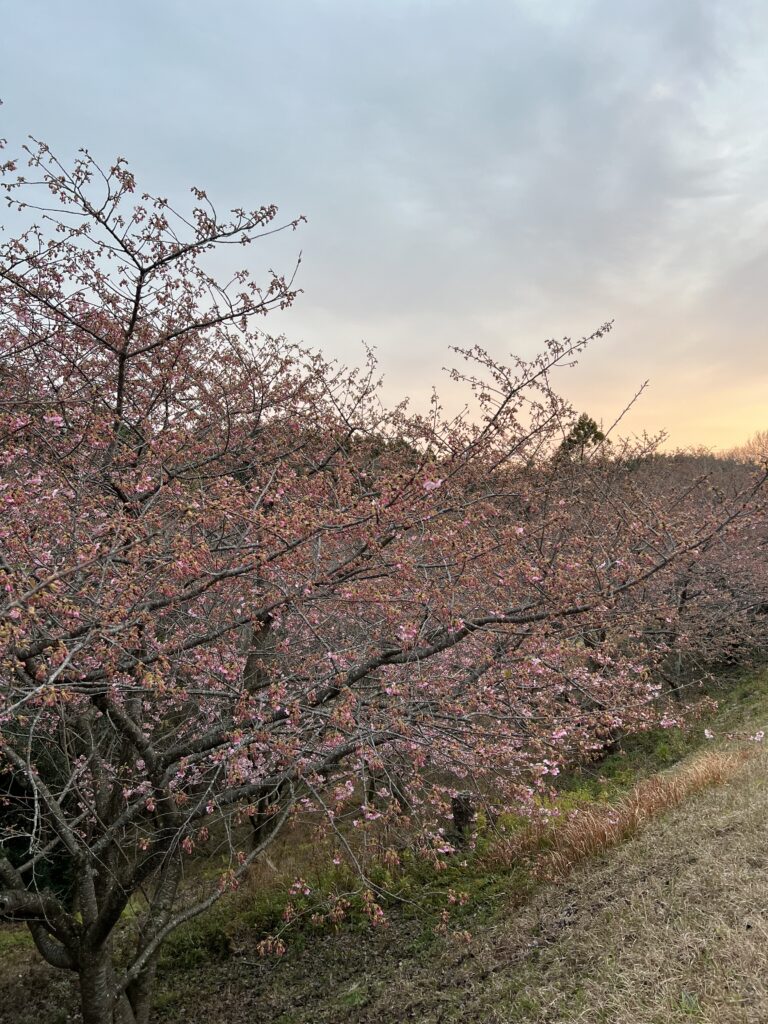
(473, 170)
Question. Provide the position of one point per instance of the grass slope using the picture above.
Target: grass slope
(670, 925)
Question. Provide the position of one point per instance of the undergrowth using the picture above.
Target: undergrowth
(611, 799)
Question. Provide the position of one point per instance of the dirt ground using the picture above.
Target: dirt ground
(670, 927)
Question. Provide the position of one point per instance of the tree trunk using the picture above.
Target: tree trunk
(96, 992)
(140, 993)
(463, 813)
(98, 1003)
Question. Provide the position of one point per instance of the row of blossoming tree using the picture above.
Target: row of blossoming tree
(237, 588)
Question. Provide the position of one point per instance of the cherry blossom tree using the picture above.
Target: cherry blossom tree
(753, 450)
(713, 612)
(237, 588)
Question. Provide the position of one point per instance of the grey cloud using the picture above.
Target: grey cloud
(472, 169)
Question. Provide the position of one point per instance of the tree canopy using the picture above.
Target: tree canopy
(239, 590)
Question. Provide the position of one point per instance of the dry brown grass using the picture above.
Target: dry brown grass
(593, 830)
(552, 849)
(671, 927)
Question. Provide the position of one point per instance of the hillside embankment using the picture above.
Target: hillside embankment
(664, 922)
(670, 926)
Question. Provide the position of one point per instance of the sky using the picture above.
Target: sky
(491, 172)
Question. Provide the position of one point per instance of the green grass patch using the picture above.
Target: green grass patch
(741, 697)
(204, 939)
(15, 937)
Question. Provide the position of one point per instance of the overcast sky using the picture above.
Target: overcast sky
(474, 171)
